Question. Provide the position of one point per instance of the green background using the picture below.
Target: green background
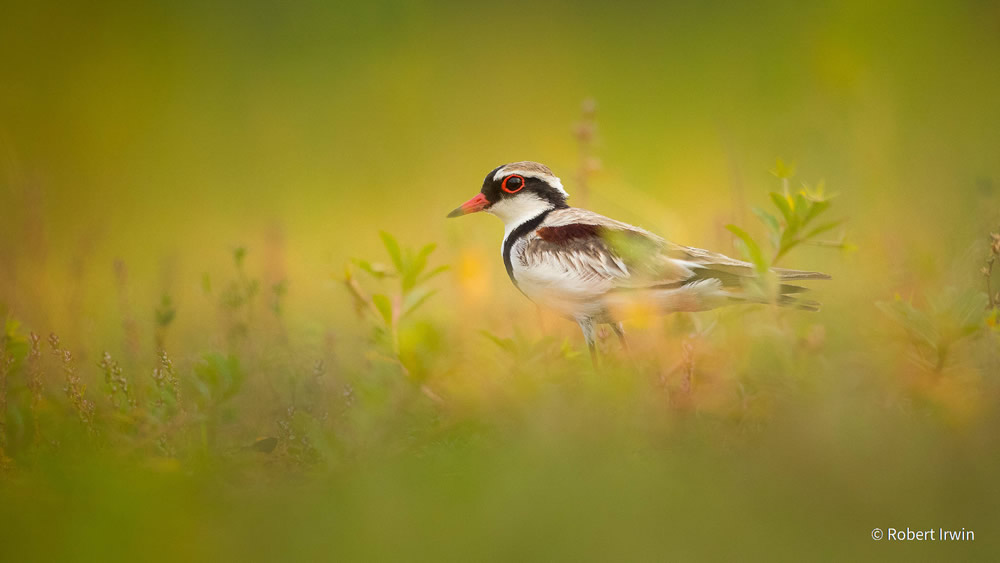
(165, 135)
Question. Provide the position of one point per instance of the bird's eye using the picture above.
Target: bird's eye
(512, 184)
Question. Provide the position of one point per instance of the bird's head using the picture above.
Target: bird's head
(517, 192)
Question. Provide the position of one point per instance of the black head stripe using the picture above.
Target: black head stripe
(489, 177)
(492, 189)
(542, 189)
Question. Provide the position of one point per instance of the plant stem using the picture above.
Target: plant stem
(585, 131)
(988, 273)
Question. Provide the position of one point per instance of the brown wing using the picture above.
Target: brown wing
(603, 256)
(594, 249)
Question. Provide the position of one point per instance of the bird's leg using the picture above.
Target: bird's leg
(620, 331)
(590, 335)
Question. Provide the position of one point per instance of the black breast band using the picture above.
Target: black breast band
(521, 230)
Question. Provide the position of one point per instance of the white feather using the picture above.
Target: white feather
(516, 210)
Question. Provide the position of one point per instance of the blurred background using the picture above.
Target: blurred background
(195, 177)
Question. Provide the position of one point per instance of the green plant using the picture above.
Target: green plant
(119, 391)
(167, 405)
(6, 362)
(34, 384)
(167, 382)
(75, 389)
(217, 379)
(987, 271)
(7, 339)
(795, 223)
(950, 318)
(389, 309)
(407, 345)
(237, 298)
(523, 350)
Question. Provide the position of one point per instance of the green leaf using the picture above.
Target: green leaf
(416, 299)
(435, 272)
(416, 266)
(815, 208)
(384, 307)
(770, 220)
(413, 264)
(800, 208)
(392, 247)
(424, 253)
(751, 247)
(165, 312)
(783, 205)
(800, 203)
(378, 271)
(915, 321)
(961, 313)
(218, 377)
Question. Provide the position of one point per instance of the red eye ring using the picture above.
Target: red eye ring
(504, 187)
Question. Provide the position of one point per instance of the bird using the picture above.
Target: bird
(589, 268)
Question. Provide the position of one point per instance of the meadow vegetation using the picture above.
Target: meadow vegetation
(826, 424)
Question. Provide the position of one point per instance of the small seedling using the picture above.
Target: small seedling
(796, 223)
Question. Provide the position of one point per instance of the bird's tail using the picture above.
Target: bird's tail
(711, 289)
(788, 294)
(800, 275)
(786, 300)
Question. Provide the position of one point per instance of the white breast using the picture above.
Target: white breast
(551, 283)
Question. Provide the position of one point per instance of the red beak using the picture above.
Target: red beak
(475, 204)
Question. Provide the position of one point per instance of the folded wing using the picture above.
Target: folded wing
(594, 254)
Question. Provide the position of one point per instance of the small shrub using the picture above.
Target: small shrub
(795, 223)
(950, 318)
(388, 310)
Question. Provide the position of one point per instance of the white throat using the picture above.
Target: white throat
(515, 211)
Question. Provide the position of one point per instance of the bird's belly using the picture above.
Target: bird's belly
(563, 294)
